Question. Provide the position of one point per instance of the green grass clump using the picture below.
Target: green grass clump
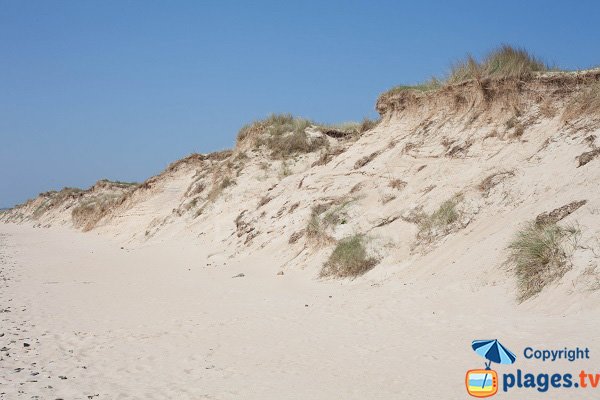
(538, 253)
(503, 62)
(439, 221)
(348, 259)
(428, 86)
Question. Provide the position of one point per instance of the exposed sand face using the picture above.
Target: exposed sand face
(157, 322)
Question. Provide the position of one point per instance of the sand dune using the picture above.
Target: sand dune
(147, 303)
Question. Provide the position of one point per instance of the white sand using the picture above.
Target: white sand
(157, 322)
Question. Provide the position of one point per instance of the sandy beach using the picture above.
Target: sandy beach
(84, 318)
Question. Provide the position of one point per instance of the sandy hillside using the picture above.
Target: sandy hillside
(130, 291)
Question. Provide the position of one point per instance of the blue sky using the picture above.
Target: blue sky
(119, 89)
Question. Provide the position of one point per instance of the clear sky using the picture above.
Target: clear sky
(119, 89)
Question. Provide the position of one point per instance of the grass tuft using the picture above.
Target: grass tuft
(503, 62)
(439, 222)
(348, 259)
(283, 134)
(538, 253)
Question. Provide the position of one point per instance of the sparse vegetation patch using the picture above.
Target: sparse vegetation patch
(503, 62)
(323, 218)
(348, 259)
(587, 102)
(540, 256)
(283, 134)
(439, 223)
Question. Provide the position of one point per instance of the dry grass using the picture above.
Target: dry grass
(366, 159)
(348, 129)
(348, 259)
(588, 156)
(539, 255)
(325, 217)
(283, 134)
(217, 189)
(397, 184)
(316, 231)
(263, 201)
(88, 212)
(492, 180)
(501, 63)
(328, 154)
(587, 102)
(428, 86)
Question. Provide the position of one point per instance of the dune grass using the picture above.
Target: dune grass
(283, 134)
(428, 86)
(348, 259)
(350, 127)
(539, 255)
(439, 221)
(325, 217)
(502, 62)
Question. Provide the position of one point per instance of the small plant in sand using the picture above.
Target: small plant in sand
(348, 259)
(218, 187)
(397, 184)
(285, 169)
(540, 255)
(323, 218)
(440, 222)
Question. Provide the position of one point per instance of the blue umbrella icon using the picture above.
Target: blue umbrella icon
(493, 351)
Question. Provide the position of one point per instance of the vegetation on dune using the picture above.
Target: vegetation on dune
(348, 259)
(351, 127)
(286, 135)
(440, 221)
(539, 255)
(89, 211)
(428, 86)
(501, 63)
(587, 102)
(273, 125)
(323, 218)
(283, 134)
